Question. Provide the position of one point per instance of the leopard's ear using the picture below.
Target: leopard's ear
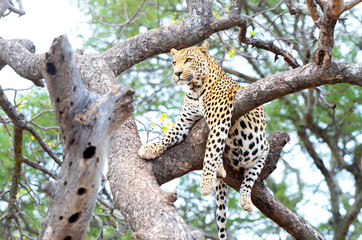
(204, 47)
(173, 52)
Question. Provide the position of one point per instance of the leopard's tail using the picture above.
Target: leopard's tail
(221, 197)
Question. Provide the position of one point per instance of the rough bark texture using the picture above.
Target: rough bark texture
(160, 219)
(87, 123)
(18, 55)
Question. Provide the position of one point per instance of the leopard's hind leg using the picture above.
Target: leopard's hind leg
(251, 174)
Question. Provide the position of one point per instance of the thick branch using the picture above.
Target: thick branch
(297, 8)
(197, 27)
(172, 164)
(335, 8)
(287, 82)
(18, 54)
(314, 11)
(160, 219)
(350, 4)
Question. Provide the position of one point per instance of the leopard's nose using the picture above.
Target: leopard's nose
(178, 74)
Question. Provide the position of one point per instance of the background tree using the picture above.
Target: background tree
(312, 118)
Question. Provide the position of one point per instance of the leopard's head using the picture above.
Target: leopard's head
(190, 64)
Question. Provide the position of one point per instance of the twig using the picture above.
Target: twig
(328, 105)
(43, 144)
(100, 225)
(10, 136)
(267, 45)
(39, 114)
(39, 167)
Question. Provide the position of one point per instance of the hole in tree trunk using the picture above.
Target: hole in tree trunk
(89, 152)
(51, 68)
(68, 238)
(74, 217)
(81, 191)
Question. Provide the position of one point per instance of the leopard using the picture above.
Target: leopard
(242, 142)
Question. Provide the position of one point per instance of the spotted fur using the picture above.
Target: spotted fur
(242, 143)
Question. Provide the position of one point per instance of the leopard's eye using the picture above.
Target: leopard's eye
(188, 60)
(174, 62)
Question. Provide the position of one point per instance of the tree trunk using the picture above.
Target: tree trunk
(87, 123)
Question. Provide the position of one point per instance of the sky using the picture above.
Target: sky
(43, 21)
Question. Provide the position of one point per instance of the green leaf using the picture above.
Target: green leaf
(232, 53)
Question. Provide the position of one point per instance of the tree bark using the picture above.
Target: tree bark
(87, 123)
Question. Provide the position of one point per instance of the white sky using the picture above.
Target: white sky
(44, 20)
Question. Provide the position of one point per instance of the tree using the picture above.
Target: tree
(134, 182)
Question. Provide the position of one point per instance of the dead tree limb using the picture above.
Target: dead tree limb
(87, 123)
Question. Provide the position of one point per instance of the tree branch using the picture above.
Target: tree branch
(335, 8)
(18, 54)
(8, 5)
(19, 120)
(198, 26)
(296, 7)
(315, 13)
(350, 4)
(18, 143)
(267, 45)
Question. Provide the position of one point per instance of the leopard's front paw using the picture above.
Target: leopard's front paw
(207, 184)
(245, 202)
(150, 151)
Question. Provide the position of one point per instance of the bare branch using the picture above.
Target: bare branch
(335, 8)
(240, 75)
(267, 45)
(201, 21)
(18, 54)
(350, 4)
(42, 144)
(297, 8)
(292, 81)
(8, 5)
(334, 188)
(315, 13)
(39, 167)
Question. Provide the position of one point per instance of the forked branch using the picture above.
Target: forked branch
(87, 123)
